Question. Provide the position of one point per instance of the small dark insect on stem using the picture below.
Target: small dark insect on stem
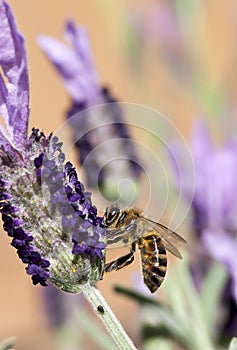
(100, 309)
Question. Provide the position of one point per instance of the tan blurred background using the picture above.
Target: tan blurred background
(211, 39)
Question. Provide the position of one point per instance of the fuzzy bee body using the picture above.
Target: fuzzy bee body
(153, 260)
(129, 227)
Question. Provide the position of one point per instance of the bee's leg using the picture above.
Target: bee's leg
(133, 247)
(119, 263)
(122, 261)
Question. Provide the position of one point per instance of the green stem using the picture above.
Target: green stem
(110, 321)
(7, 344)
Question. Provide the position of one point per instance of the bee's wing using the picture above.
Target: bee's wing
(171, 248)
(167, 236)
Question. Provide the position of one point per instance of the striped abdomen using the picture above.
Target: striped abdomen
(154, 260)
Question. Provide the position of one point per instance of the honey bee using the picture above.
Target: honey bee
(130, 227)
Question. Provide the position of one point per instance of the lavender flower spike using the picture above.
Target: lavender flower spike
(92, 128)
(214, 200)
(214, 213)
(74, 64)
(44, 206)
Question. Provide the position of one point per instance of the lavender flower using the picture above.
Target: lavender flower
(213, 206)
(214, 198)
(160, 26)
(44, 206)
(93, 127)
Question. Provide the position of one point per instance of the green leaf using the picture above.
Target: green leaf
(140, 298)
(164, 315)
(211, 292)
(233, 344)
(186, 305)
(157, 343)
(89, 326)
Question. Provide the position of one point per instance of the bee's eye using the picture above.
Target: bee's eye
(122, 217)
(112, 215)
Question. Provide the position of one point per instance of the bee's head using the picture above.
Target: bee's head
(110, 216)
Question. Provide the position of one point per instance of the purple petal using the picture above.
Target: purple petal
(5, 145)
(74, 64)
(215, 194)
(3, 95)
(78, 38)
(221, 188)
(184, 174)
(223, 247)
(202, 150)
(14, 96)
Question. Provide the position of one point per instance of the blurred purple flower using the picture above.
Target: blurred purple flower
(215, 197)
(213, 207)
(223, 247)
(41, 199)
(74, 64)
(158, 25)
(60, 306)
(93, 127)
